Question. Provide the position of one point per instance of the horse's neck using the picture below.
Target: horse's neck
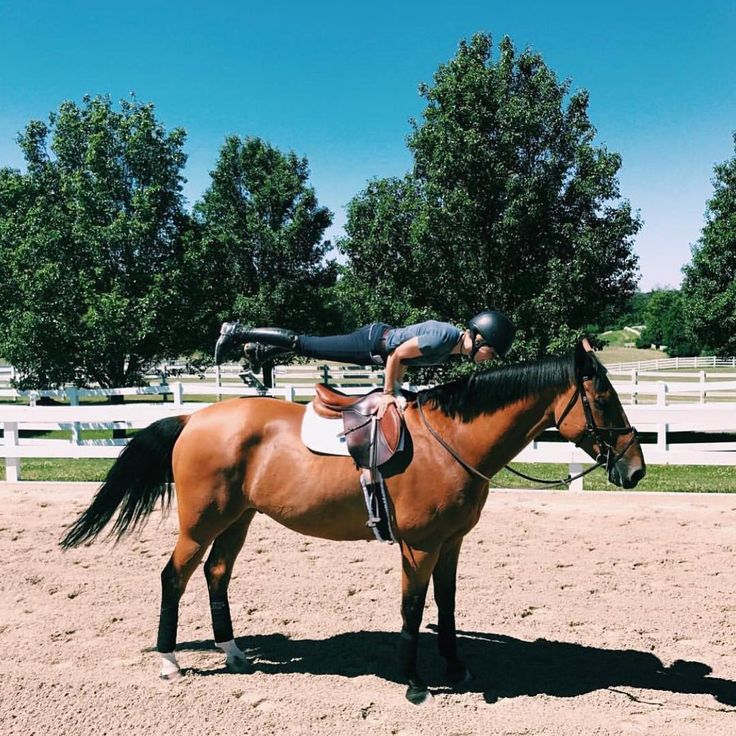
(500, 435)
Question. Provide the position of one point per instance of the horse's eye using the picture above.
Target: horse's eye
(600, 403)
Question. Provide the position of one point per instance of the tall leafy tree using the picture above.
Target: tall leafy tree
(510, 205)
(664, 324)
(262, 236)
(91, 246)
(709, 286)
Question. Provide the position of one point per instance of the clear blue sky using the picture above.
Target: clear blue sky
(337, 82)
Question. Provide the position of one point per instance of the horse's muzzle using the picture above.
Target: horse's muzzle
(626, 474)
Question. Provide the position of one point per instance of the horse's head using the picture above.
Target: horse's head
(592, 417)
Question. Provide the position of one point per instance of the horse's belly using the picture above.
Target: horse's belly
(327, 505)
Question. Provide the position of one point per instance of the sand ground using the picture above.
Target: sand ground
(589, 613)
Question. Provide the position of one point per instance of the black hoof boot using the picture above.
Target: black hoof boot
(417, 693)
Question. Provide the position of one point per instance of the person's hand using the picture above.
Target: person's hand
(386, 401)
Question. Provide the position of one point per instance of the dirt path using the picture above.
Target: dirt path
(579, 614)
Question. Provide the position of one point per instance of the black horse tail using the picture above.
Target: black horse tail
(140, 476)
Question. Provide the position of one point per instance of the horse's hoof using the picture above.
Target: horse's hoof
(418, 694)
(240, 666)
(170, 677)
(459, 675)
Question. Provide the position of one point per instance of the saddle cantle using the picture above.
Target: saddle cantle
(371, 442)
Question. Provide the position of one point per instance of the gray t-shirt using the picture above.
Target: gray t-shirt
(436, 341)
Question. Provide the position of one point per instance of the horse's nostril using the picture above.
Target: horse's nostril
(636, 476)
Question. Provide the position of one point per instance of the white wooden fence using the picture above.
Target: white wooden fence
(663, 420)
(693, 401)
(669, 364)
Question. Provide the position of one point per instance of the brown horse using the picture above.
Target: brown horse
(235, 458)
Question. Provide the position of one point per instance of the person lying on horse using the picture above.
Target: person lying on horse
(488, 335)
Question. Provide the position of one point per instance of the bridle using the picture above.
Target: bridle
(607, 459)
(611, 457)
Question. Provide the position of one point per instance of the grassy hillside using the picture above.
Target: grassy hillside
(612, 354)
(616, 351)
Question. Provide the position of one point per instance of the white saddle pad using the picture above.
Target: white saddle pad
(321, 435)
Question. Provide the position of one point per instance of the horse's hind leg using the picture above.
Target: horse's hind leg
(444, 581)
(183, 561)
(218, 570)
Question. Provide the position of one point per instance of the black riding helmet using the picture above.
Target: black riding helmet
(496, 329)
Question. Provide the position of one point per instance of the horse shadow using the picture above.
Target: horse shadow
(502, 666)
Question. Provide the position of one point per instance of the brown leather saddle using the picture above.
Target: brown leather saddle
(371, 442)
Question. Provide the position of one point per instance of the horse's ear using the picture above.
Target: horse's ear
(584, 357)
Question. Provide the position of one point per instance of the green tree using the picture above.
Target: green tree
(709, 286)
(665, 324)
(262, 238)
(510, 205)
(633, 313)
(91, 246)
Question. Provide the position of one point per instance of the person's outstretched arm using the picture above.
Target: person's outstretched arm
(395, 370)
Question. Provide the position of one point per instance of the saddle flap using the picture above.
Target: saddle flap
(357, 413)
(360, 436)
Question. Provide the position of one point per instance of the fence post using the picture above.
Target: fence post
(177, 391)
(12, 464)
(325, 374)
(290, 392)
(702, 387)
(577, 484)
(661, 393)
(662, 430)
(635, 389)
(72, 394)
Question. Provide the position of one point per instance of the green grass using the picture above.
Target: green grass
(66, 470)
(699, 479)
(612, 354)
(692, 478)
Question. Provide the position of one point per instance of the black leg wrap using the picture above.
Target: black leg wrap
(446, 637)
(222, 624)
(167, 624)
(407, 654)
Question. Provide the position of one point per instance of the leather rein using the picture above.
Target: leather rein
(607, 460)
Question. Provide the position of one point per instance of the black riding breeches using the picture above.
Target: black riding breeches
(361, 347)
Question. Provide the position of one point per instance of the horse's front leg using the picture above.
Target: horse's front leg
(444, 580)
(417, 569)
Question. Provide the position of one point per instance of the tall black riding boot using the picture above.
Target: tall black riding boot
(257, 354)
(233, 334)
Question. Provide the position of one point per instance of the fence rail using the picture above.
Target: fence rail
(661, 420)
(665, 364)
(694, 401)
(637, 388)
